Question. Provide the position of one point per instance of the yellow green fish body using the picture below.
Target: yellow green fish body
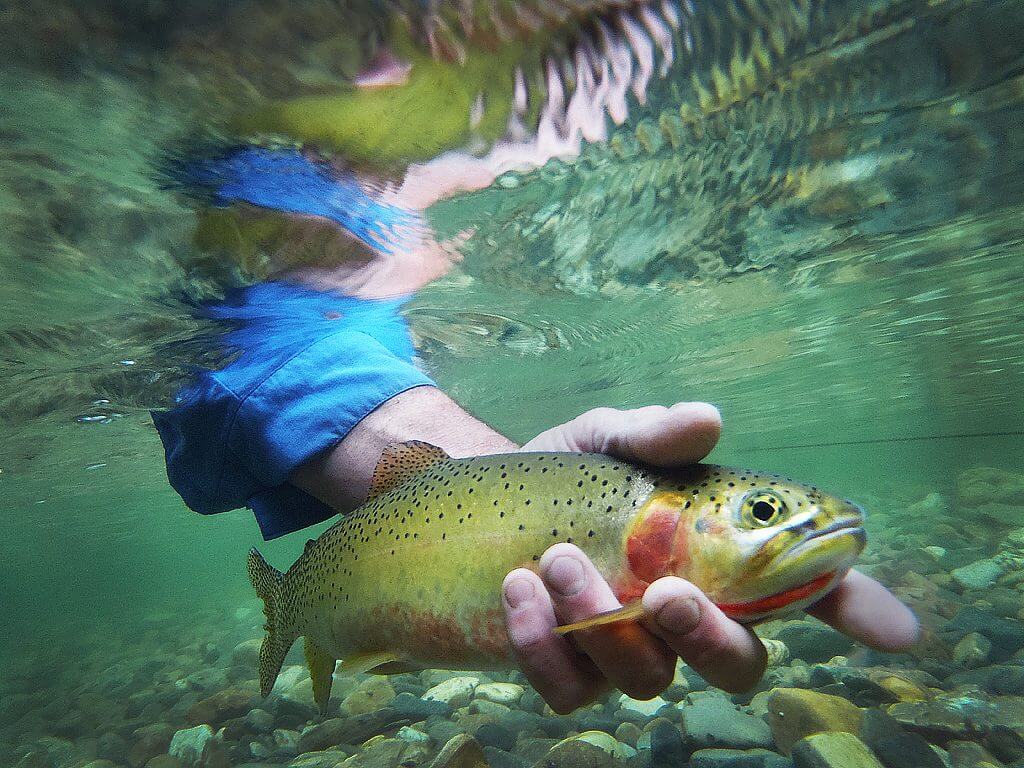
(412, 579)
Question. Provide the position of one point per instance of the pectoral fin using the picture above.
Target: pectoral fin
(368, 661)
(626, 613)
(321, 670)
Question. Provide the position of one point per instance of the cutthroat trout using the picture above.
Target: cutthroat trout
(412, 579)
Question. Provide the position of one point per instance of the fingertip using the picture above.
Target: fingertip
(900, 632)
(865, 610)
(703, 422)
(726, 654)
(519, 588)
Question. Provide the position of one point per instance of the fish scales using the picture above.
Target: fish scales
(412, 579)
(434, 552)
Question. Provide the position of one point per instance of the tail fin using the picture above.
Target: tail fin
(268, 581)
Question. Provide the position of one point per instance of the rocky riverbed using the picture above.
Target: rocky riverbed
(180, 691)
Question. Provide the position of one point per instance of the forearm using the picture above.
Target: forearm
(341, 476)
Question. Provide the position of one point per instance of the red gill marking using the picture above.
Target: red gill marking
(775, 602)
(649, 545)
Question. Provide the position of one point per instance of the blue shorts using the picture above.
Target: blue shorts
(308, 367)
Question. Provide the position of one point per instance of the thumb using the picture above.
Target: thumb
(654, 435)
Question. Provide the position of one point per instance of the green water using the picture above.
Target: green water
(842, 274)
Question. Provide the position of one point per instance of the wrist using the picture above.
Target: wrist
(341, 476)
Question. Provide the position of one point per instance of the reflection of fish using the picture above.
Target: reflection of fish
(412, 578)
(536, 77)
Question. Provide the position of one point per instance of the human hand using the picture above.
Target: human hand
(679, 621)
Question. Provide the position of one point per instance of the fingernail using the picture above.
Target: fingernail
(565, 576)
(517, 592)
(679, 616)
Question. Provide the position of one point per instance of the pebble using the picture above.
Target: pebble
(411, 735)
(495, 735)
(1006, 743)
(164, 761)
(497, 758)
(895, 747)
(371, 695)
(416, 708)
(489, 708)
(667, 749)
(455, 692)
(500, 693)
(1006, 635)
(149, 741)
(734, 758)
(628, 733)
(647, 708)
(231, 702)
(812, 641)
(778, 652)
(353, 729)
(833, 750)
(709, 719)
(329, 758)
(794, 713)
(287, 741)
(573, 753)
(259, 721)
(461, 751)
(973, 650)
(247, 653)
(187, 745)
(978, 575)
(953, 716)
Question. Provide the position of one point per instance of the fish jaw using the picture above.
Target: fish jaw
(801, 575)
(787, 601)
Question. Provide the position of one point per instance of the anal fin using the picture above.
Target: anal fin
(321, 670)
(367, 661)
(626, 613)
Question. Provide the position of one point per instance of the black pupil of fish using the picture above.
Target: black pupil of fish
(763, 511)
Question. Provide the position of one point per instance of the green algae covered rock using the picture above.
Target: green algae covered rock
(794, 713)
(833, 750)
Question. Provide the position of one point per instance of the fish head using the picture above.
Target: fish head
(758, 545)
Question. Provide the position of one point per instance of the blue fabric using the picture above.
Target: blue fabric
(288, 181)
(309, 367)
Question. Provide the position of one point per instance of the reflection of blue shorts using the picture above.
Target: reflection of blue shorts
(309, 367)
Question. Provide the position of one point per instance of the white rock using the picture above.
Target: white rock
(456, 692)
(645, 708)
(603, 741)
(411, 735)
(500, 693)
(289, 676)
(187, 745)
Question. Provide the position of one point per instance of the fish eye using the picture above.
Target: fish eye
(763, 508)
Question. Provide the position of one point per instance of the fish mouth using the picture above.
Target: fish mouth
(815, 563)
(820, 540)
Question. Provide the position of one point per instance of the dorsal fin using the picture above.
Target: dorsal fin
(401, 462)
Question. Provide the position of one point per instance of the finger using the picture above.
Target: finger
(676, 436)
(726, 654)
(866, 611)
(565, 679)
(632, 659)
